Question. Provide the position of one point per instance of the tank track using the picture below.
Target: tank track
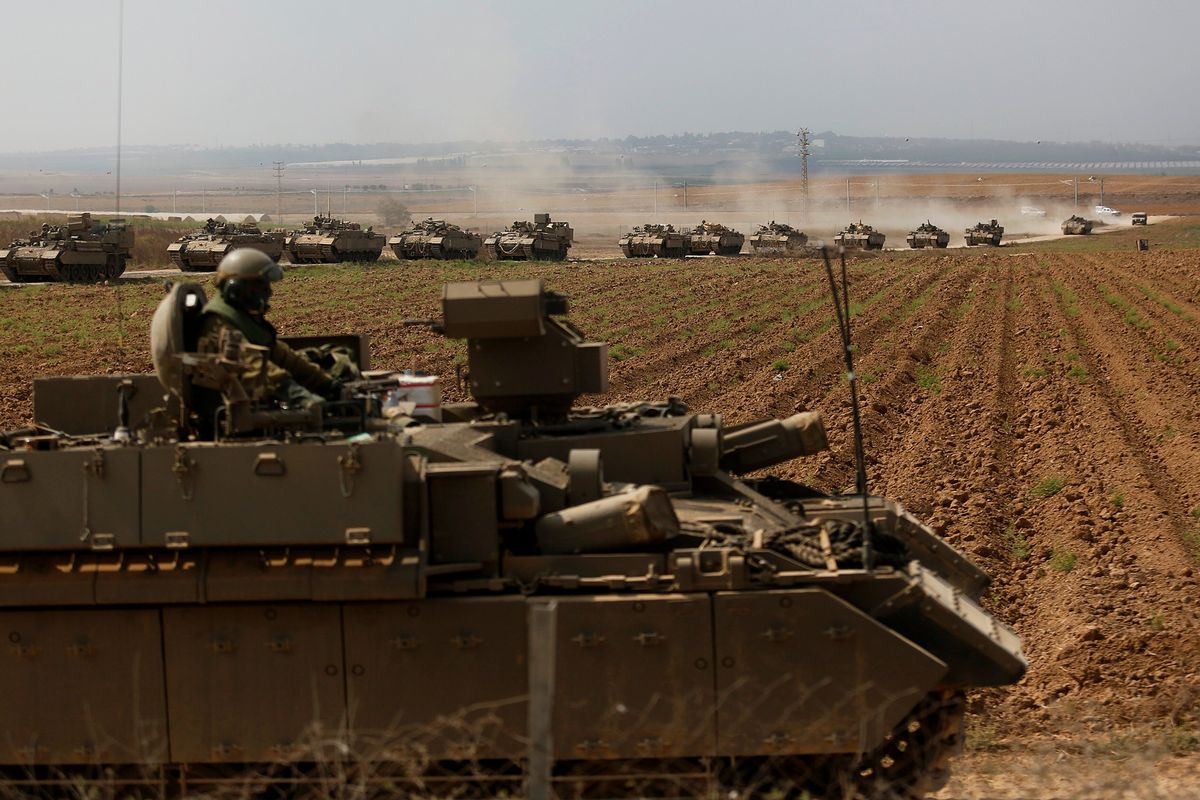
(912, 762)
(178, 260)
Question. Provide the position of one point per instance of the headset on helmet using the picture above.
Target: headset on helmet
(244, 278)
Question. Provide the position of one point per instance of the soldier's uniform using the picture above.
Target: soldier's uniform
(289, 377)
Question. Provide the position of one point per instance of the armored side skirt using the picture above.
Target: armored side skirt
(634, 676)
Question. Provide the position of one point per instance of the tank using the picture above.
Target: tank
(857, 236)
(326, 240)
(1076, 225)
(505, 589)
(984, 233)
(435, 238)
(541, 240)
(712, 237)
(776, 238)
(653, 240)
(203, 250)
(927, 235)
(81, 250)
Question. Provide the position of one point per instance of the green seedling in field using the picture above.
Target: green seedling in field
(779, 365)
(1078, 371)
(1117, 499)
(1018, 546)
(1191, 540)
(1047, 487)
(1063, 560)
(928, 379)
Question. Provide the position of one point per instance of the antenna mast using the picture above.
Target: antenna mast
(120, 76)
(804, 143)
(841, 308)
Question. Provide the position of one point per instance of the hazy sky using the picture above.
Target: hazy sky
(247, 72)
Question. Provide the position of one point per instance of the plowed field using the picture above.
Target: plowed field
(1039, 406)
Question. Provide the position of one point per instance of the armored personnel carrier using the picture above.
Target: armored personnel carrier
(541, 240)
(510, 588)
(712, 237)
(203, 250)
(653, 240)
(776, 238)
(1138, 218)
(984, 233)
(1076, 225)
(928, 235)
(326, 240)
(435, 238)
(857, 236)
(81, 250)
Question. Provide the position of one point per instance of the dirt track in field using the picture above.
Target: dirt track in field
(1039, 408)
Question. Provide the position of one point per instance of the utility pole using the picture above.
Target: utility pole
(345, 191)
(804, 145)
(847, 195)
(685, 195)
(277, 167)
(656, 199)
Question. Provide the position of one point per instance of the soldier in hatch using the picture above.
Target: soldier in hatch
(244, 279)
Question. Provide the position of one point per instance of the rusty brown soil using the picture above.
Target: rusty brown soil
(1038, 406)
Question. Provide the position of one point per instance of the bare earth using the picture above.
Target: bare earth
(1038, 405)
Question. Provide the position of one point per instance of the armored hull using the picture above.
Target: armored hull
(654, 241)
(328, 241)
(200, 252)
(384, 598)
(436, 238)
(541, 240)
(77, 251)
(776, 238)
(928, 235)
(710, 237)
(857, 236)
(984, 233)
(1076, 225)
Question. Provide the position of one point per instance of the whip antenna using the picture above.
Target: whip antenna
(120, 81)
(841, 308)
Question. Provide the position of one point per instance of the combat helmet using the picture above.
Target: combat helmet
(248, 264)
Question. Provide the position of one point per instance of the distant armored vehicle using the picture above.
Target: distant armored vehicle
(1076, 225)
(988, 233)
(541, 240)
(861, 237)
(204, 249)
(435, 238)
(927, 235)
(326, 241)
(711, 237)
(776, 237)
(651, 240)
(1138, 218)
(81, 250)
